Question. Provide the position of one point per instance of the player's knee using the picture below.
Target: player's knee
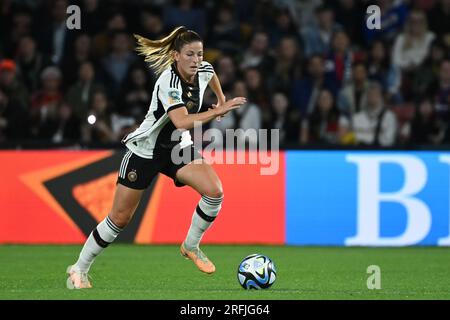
(214, 192)
(121, 216)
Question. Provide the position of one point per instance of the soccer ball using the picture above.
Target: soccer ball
(256, 271)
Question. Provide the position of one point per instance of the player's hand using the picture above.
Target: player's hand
(214, 106)
(220, 100)
(222, 109)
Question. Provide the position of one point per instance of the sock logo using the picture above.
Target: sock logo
(132, 175)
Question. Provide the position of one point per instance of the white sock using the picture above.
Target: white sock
(105, 233)
(207, 210)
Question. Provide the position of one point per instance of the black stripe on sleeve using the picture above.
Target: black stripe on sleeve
(206, 66)
(174, 81)
(175, 106)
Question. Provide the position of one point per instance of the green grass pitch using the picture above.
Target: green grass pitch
(159, 272)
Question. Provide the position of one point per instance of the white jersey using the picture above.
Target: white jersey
(170, 92)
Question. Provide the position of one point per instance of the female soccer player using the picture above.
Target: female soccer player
(175, 105)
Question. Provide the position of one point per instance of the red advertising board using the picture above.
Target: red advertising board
(59, 196)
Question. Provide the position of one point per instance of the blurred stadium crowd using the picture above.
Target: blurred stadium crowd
(310, 68)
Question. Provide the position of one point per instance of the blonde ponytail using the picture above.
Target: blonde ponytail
(158, 53)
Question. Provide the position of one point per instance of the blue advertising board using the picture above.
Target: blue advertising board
(367, 198)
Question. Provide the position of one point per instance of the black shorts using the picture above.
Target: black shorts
(137, 173)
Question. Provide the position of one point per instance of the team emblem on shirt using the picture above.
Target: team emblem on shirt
(190, 105)
(132, 175)
(174, 97)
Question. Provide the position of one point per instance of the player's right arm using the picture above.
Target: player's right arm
(170, 96)
(183, 120)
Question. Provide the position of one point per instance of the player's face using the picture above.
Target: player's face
(189, 58)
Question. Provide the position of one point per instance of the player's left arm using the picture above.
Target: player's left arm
(216, 87)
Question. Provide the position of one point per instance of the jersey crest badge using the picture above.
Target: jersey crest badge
(132, 175)
(190, 105)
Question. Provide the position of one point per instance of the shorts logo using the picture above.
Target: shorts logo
(132, 175)
(174, 97)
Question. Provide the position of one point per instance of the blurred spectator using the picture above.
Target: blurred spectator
(262, 42)
(13, 119)
(80, 53)
(321, 127)
(306, 90)
(30, 63)
(6, 12)
(256, 55)
(301, 10)
(350, 15)
(422, 4)
(136, 95)
(21, 25)
(225, 32)
(79, 95)
(69, 126)
(225, 69)
(427, 74)
(257, 90)
(425, 128)
(353, 97)
(248, 116)
(317, 38)
(44, 102)
(10, 84)
(245, 10)
(116, 65)
(97, 128)
(393, 17)
(285, 119)
(60, 124)
(411, 47)
(381, 70)
(287, 66)
(152, 24)
(442, 92)
(183, 13)
(284, 26)
(101, 44)
(439, 18)
(56, 38)
(92, 16)
(341, 58)
(374, 125)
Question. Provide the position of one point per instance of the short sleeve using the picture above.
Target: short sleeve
(206, 71)
(170, 93)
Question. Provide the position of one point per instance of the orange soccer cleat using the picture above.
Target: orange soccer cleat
(77, 279)
(199, 258)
